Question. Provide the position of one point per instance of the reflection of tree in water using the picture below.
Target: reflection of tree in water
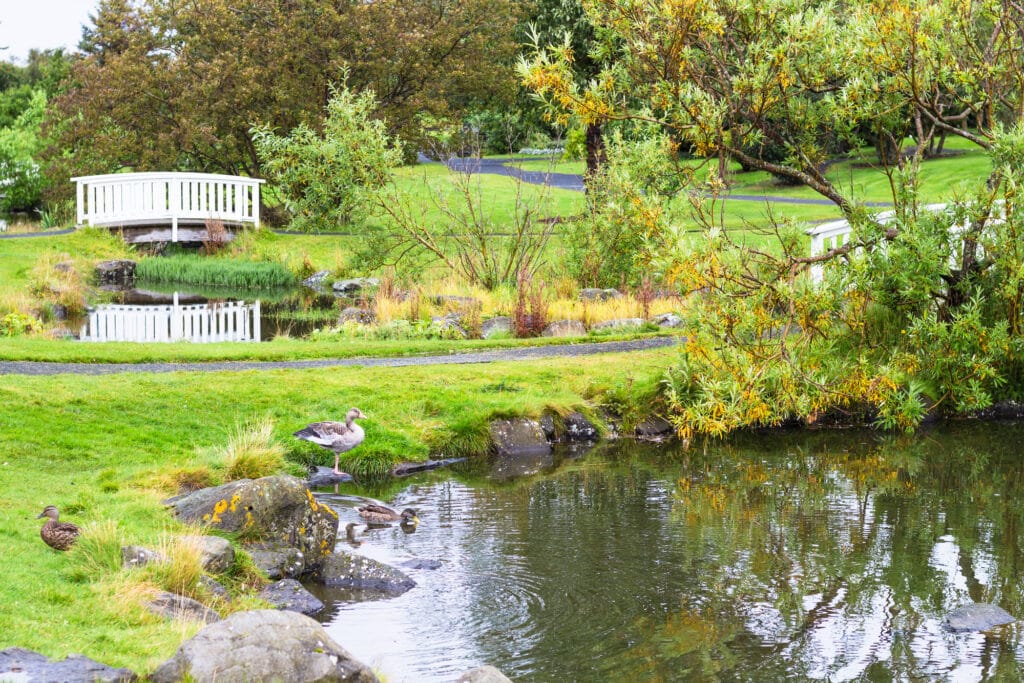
(839, 561)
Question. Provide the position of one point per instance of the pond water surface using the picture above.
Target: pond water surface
(783, 556)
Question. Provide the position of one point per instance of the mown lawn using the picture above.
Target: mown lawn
(106, 448)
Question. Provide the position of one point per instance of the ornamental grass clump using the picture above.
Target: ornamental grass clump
(97, 552)
(217, 272)
(252, 452)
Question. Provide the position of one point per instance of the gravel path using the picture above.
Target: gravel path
(559, 351)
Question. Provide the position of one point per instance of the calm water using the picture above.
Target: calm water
(827, 556)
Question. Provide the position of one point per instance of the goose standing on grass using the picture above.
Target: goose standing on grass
(336, 436)
(55, 533)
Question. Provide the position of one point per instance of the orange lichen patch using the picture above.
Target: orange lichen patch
(219, 509)
(248, 519)
(312, 501)
(235, 500)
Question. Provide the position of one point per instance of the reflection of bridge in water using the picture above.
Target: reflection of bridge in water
(209, 322)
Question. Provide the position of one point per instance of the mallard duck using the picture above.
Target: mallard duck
(55, 533)
(336, 436)
(379, 514)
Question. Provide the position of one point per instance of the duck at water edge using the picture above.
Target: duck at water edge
(335, 436)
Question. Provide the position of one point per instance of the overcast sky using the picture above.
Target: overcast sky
(25, 24)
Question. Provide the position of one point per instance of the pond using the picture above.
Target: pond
(205, 315)
(778, 556)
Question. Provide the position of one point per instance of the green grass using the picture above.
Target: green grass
(215, 272)
(99, 448)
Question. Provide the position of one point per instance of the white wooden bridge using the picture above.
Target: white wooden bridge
(230, 321)
(167, 207)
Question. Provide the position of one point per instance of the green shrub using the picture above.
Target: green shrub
(15, 324)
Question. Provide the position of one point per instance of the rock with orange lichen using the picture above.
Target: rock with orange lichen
(278, 509)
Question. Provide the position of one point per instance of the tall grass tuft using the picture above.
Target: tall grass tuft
(97, 552)
(218, 272)
(251, 451)
(181, 570)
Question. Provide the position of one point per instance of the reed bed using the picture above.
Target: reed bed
(216, 272)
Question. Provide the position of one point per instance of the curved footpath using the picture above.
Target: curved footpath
(531, 353)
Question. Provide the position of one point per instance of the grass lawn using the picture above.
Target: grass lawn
(105, 448)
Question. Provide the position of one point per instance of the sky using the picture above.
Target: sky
(25, 24)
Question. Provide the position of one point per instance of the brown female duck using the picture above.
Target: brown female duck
(379, 514)
(55, 533)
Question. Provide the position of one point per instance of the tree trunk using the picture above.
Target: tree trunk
(596, 156)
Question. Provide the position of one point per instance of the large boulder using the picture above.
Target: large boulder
(565, 328)
(355, 287)
(275, 509)
(492, 327)
(289, 594)
(977, 617)
(263, 645)
(519, 436)
(17, 664)
(344, 570)
(667, 320)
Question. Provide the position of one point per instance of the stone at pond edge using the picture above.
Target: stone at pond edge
(216, 553)
(519, 436)
(325, 476)
(120, 272)
(316, 280)
(483, 674)
(579, 428)
(565, 328)
(263, 645)
(175, 606)
(654, 428)
(355, 286)
(345, 570)
(492, 327)
(272, 509)
(407, 468)
(277, 559)
(19, 664)
(977, 617)
(289, 594)
(420, 563)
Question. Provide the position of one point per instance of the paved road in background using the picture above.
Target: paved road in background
(500, 355)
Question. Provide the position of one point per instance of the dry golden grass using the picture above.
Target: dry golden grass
(58, 279)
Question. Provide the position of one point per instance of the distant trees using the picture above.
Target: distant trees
(168, 84)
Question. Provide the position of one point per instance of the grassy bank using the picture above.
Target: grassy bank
(108, 448)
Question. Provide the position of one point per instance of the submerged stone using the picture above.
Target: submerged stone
(289, 594)
(977, 617)
(345, 570)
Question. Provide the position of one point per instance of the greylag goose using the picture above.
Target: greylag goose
(55, 533)
(336, 436)
(378, 514)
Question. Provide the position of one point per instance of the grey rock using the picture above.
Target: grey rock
(547, 423)
(669, 320)
(277, 559)
(214, 588)
(579, 428)
(120, 272)
(363, 316)
(345, 570)
(449, 325)
(354, 287)
(565, 328)
(316, 280)
(175, 606)
(137, 556)
(492, 327)
(263, 645)
(519, 436)
(483, 674)
(289, 594)
(618, 322)
(325, 476)
(216, 553)
(18, 664)
(597, 294)
(977, 617)
(273, 509)
(654, 428)
(419, 563)
(521, 465)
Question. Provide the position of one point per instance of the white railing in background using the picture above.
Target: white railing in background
(125, 199)
(232, 321)
(835, 234)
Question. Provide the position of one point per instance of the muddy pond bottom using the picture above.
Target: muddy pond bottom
(811, 556)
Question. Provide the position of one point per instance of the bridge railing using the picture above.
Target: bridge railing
(229, 321)
(125, 199)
